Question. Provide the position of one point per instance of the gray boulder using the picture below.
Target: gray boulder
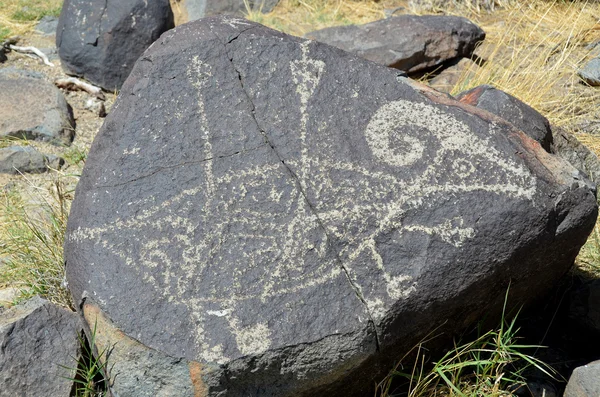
(38, 340)
(244, 214)
(591, 72)
(32, 108)
(585, 381)
(101, 39)
(191, 10)
(511, 109)
(406, 42)
(25, 159)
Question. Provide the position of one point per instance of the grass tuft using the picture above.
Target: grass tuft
(89, 374)
(20, 16)
(31, 239)
(492, 365)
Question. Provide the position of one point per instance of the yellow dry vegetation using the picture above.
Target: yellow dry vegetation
(19, 16)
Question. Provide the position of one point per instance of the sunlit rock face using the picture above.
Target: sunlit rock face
(289, 219)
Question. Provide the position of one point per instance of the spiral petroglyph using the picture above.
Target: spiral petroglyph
(290, 250)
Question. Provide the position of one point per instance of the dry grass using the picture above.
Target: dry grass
(19, 16)
(32, 227)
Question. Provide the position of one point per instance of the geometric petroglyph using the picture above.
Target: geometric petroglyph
(374, 202)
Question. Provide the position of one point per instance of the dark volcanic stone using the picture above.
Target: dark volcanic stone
(38, 340)
(511, 109)
(101, 39)
(32, 108)
(289, 219)
(192, 10)
(25, 159)
(407, 42)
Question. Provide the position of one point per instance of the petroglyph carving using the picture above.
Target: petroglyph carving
(373, 203)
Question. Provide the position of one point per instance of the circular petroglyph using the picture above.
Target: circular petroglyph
(402, 116)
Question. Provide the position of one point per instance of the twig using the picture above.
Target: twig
(31, 50)
(72, 83)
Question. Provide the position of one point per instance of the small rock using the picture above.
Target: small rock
(32, 108)
(47, 26)
(96, 106)
(591, 72)
(406, 42)
(585, 381)
(8, 295)
(25, 159)
(38, 339)
(447, 79)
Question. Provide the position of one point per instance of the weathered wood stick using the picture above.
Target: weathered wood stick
(73, 83)
(31, 50)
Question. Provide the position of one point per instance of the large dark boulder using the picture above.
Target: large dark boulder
(101, 39)
(39, 349)
(407, 42)
(274, 216)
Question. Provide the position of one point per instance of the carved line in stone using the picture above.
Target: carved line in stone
(379, 197)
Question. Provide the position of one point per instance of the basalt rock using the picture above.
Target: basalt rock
(554, 139)
(34, 109)
(407, 42)
(39, 349)
(101, 39)
(265, 215)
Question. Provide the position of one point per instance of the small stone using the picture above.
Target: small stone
(47, 26)
(25, 159)
(96, 106)
(591, 72)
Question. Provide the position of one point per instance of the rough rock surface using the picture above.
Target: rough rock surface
(511, 109)
(591, 72)
(25, 159)
(32, 108)
(191, 10)
(298, 234)
(569, 148)
(47, 26)
(584, 307)
(406, 42)
(585, 381)
(38, 339)
(555, 140)
(101, 39)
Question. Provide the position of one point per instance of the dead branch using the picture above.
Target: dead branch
(74, 84)
(31, 50)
